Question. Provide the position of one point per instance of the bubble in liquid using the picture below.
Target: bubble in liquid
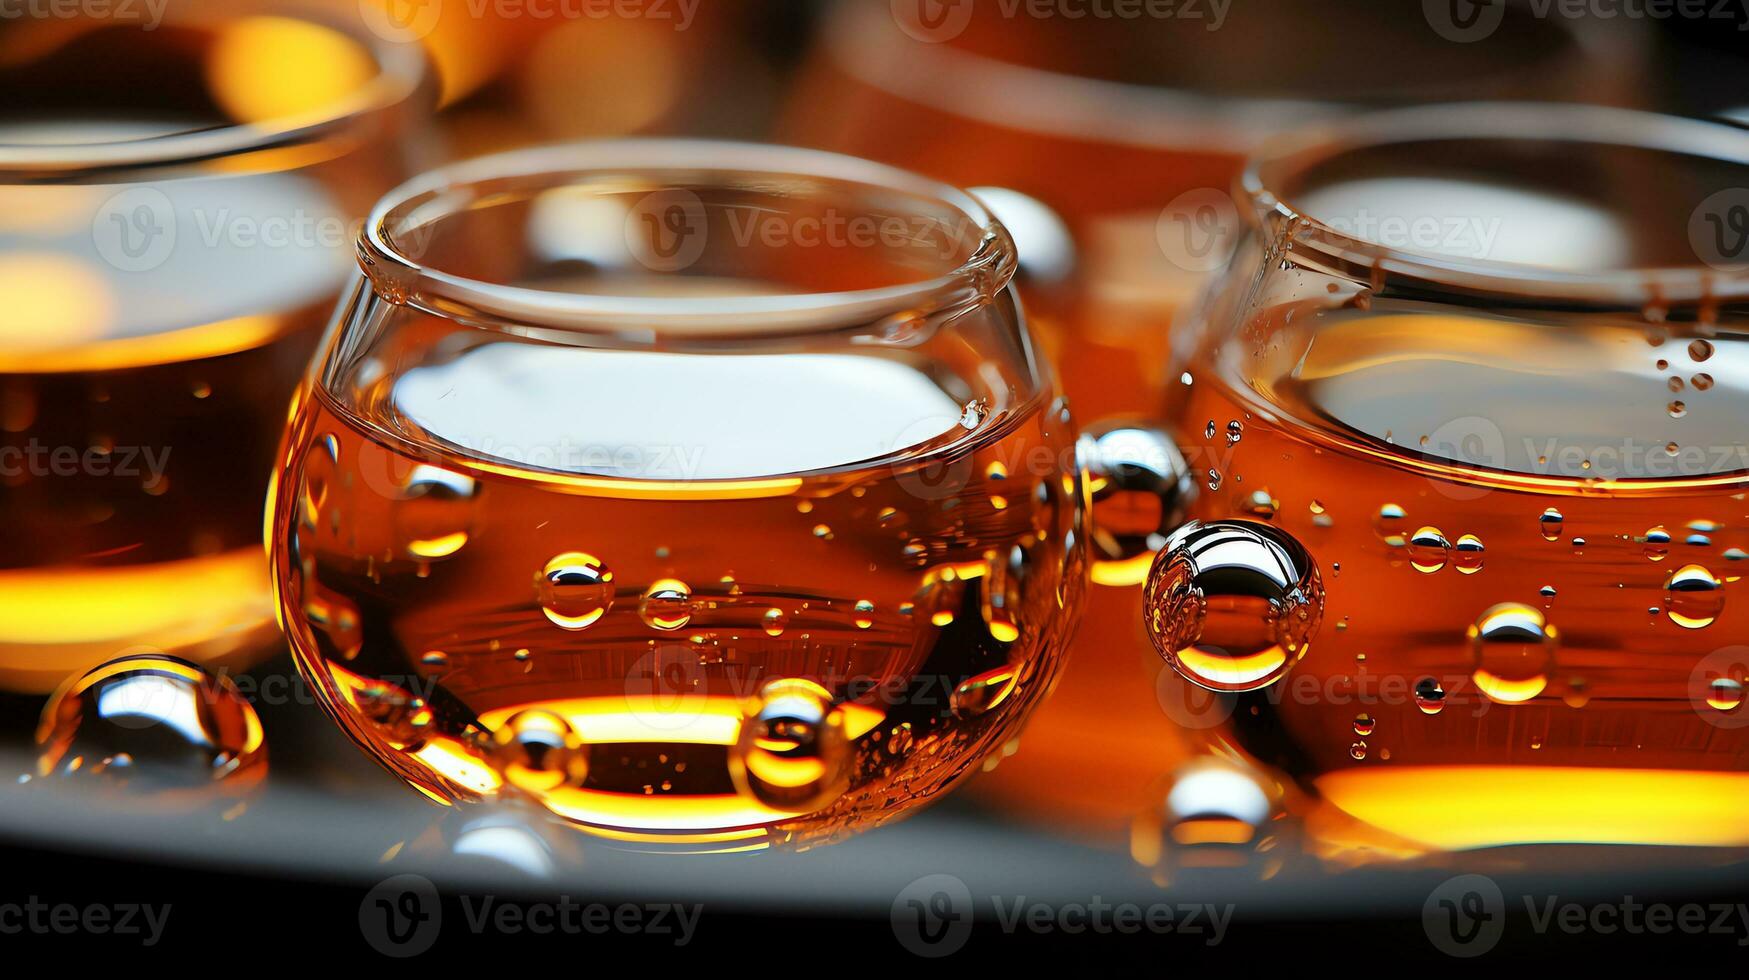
(1678, 409)
(1693, 597)
(1141, 489)
(1513, 647)
(1429, 696)
(864, 614)
(1699, 349)
(539, 751)
(435, 512)
(1702, 381)
(1551, 522)
(792, 752)
(1234, 432)
(1357, 751)
(574, 590)
(156, 725)
(1213, 814)
(1428, 550)
(666, 605)
(1725, 693)
(983, 692)
(1389, 523)
(1467, 553)
(1657, 543)
(1260, 504)
(1363, 724)
(1231, 605)
(774, 622)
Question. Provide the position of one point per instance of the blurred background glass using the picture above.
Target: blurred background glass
(178, 200)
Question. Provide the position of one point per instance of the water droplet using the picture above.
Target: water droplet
(435, 658)
(1702, 381)
(1234, 432)
(1699, 349)
(539, 751)
(974, 414)
(1551, 522)
(1141, 488)
(823, 532)
(574, 590)
(1428, 550)
(1363, 724)
(792, 753)
(1657, 543)
(1214, 479)
(775, 621)
(1429, 696)
(1231, 605)
(666, 605)
(1678, 409)
(1357, 751)
(864, 614)
(153, 724)
(1214, 813)
(1468, 554)
(1261, 505)
(434, 513)
(1390, 525)
(1693, 597)
(1725, 693)
(1513, 647)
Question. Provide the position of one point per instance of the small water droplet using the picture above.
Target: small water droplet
(574, 590)
(1693, 597)
(1551, 522)
(666, 605)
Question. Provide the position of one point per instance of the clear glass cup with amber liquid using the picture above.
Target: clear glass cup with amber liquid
(1465, 416)
(174, 230)
(710, 496)
(1129, 128)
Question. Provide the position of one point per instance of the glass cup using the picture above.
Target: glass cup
(1466, 419)
(1130, 130)
(711, 496)
(176, 205)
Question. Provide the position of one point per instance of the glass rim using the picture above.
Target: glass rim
(403, 73)
(1299, 152)
(438, 194)
(1171, 118)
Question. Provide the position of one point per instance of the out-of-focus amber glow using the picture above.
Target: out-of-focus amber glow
(1458, 807)
(601, 77)
(264, 68)
(81, 353)
(456, 763)
(51, 301)
(54, 622)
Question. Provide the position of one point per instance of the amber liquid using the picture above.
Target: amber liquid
(410, 543)
(1611, 513)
